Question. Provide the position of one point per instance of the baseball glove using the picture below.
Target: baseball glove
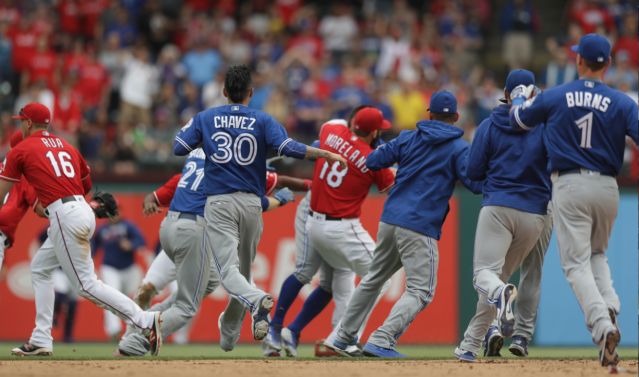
(104, 205)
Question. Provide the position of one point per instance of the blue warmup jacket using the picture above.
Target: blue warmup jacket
(430, 160)
(512, 163)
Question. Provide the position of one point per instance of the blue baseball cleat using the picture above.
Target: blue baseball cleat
(493, 341)
(272, 344)
(505, 314)
(465, 356)
(519, 346)
(377, 351)
(289, 342)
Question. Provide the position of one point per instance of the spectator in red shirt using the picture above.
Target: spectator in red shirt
(67, 114)
(74, 59)
(91, 11)
(70, 17)
(23, 41)
(591, 16)
(42, 66)
(627, 40)
(308, 41)
(94, 85)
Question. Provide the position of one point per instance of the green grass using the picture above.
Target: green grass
(103, 351)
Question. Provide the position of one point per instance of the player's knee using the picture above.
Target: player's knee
(302, 277)
(326, 286)
(424, 294)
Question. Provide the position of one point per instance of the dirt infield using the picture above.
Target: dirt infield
(306, 368)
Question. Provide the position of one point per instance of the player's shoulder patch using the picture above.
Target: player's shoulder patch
(197, 153)
(187, 125)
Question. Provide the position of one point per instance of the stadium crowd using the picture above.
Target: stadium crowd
(122, 75)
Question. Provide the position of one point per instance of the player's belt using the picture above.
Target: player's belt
(68, 199)
(583, 171)
(187, 216)
(322, 216)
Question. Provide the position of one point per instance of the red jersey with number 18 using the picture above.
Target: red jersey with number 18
(340, 192)
(53, 167)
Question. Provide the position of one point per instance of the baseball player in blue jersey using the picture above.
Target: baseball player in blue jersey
(235, 139)
(586, 126)
(119, 239)
(430, 160)
(513, 228)
(181, 235)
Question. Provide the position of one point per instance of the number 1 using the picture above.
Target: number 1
(585, 125)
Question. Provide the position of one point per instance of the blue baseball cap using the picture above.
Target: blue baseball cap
(518, 77)
(593, 47)
(443, 102)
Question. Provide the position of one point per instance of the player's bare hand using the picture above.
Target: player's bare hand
(150, 205)
(333, 157)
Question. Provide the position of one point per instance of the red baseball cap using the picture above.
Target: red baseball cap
(16, 138)
(370, 119)
(36, 112)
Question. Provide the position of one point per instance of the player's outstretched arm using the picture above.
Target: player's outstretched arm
(527, 108)
(280, 198)
(295, 184)
(385, 156)
(315, 153)
(461, 169)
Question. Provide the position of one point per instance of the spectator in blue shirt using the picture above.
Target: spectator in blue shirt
(202, 63)
(119, 239)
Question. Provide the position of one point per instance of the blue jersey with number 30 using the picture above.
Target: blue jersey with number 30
(189, 196)
(586, 124)
(235, 139)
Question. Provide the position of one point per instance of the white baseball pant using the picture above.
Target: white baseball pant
(71, 226)
(125, 281)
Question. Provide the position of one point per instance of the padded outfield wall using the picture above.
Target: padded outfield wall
(560, 321)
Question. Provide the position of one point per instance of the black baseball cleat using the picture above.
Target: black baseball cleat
(261, 318)
(29, 349)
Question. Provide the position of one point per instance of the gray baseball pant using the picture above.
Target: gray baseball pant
(397, 247)
(233, 230)
(507, 239)
(585, 208)
(181, 240)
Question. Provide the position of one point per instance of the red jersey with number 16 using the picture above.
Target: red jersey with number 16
(340, 192)
(53, 167)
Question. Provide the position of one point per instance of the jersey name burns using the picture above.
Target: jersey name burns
(587, 99)
(347, 150)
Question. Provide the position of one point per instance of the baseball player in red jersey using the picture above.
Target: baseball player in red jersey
(61, 177)
(20, 198)
(333, 229)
